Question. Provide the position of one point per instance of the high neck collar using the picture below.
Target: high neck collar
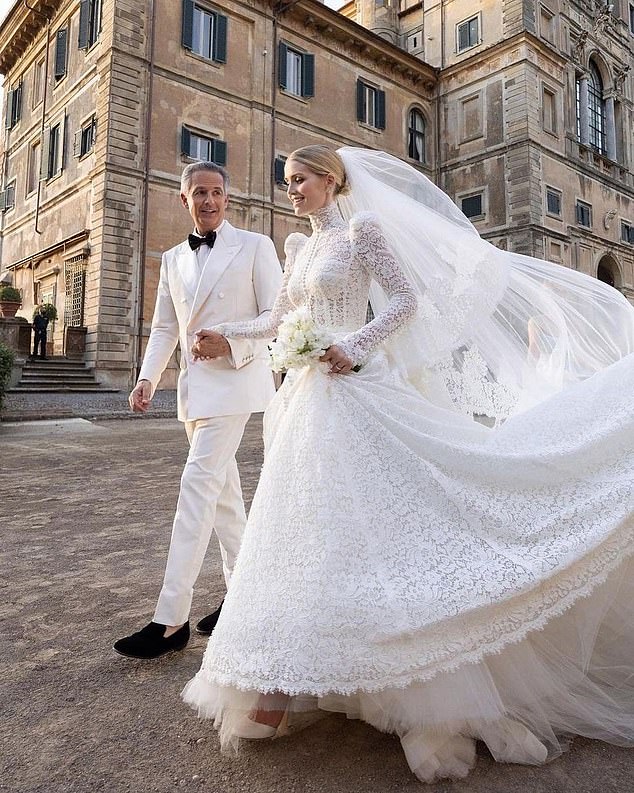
(327, 217)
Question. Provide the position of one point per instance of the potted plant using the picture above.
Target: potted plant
(10, 301)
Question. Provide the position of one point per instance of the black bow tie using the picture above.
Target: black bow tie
(195, 241)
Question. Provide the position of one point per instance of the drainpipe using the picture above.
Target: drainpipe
(140, 290)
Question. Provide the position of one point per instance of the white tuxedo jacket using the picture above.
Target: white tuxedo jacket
(240, 280)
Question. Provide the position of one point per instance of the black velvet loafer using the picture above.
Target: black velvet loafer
(150, 642)
(207, 624)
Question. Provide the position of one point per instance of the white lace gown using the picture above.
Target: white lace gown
(444, 584)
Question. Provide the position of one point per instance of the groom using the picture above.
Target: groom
(220, 274)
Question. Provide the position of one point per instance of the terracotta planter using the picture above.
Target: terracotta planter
(8, 308)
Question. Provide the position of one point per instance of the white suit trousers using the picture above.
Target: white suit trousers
(210, 498)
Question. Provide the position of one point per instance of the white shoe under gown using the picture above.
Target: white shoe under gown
(444, 587)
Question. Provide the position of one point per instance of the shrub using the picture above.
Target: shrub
(10, 294)
(6, 364)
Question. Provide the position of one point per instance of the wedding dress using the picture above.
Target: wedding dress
(440, 575)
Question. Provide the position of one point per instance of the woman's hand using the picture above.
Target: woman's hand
(338, 360)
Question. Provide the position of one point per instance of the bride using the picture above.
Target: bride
(442, 536)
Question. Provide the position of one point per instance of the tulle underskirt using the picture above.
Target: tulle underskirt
(573, 677)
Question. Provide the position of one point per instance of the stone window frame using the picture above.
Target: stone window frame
(484, 203)
(544, 10)
(46, 155)
(478, 17)
(418, 30)
(420, 112)
(33, 169)
(552, 129)
(626, 231)
(39, 88)
(90, 23)
(557, 192)
(464, 138)
(580, 206)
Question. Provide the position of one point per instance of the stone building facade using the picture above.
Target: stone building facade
(521, 110)
(535, 120)
(156, 85)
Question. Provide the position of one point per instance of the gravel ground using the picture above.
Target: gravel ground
(86, 512)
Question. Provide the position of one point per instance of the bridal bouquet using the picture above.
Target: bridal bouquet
(299, 342)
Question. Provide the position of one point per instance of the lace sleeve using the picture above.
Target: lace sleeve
(266, 324)
(370, 249)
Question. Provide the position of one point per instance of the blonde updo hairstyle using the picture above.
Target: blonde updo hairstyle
(323, 161)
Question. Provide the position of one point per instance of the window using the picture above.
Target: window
(584, 214)
(278, 169)
(596, 108)
(547, 24)
(13, 106)
(549, 109)
(553, 202)
(52, 160)
(204, 32)
(7, 197)
(468, 33)
(632, 18)
(89, 23)
(415, 41)
(296, 71)
(61, 53)
(38, 82)
(85, 138)
(627, 232)
(472, 205)
(201, 147)
(370, 105)
(33, 171)
(416, 136)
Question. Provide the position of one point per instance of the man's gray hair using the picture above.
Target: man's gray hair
(194, 167)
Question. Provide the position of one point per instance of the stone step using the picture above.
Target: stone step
(62, 389)
(78, 375)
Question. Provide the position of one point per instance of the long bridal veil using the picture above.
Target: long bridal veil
(496, 332)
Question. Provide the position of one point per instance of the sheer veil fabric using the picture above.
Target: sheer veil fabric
(406, 562)
(496, 331)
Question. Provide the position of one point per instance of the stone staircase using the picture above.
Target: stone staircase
(57, 375)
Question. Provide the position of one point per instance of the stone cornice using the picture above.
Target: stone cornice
(329, 25)
(21, 27)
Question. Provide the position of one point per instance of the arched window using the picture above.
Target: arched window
(416, 135)
(596, 109)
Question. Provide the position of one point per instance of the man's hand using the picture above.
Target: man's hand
(141, 396)
(209, 345)
(338, 360)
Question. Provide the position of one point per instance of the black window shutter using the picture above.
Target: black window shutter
(360, 101)
(187, 35)
(282, 65)
(308, 75)
(10, 196)
(8, 109)
(3, 200)
(185, 141)
(279, 170)
(17, 103)
(84, 25)
(380, 109)
(220, 39)
(220, 152)
(61, 40)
